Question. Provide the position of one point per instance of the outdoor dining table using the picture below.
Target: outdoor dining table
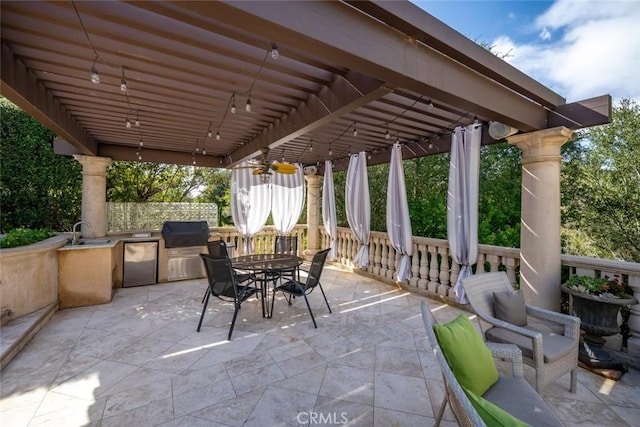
(264, 266)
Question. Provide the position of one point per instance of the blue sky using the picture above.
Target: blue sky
(578, 48)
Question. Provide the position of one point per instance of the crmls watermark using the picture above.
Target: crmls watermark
(320, 418)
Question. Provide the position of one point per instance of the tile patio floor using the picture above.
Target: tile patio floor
(139, 362)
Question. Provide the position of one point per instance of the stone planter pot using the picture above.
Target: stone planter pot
(598, 319)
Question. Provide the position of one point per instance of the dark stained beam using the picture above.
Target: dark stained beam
(586, 113)
(344, 95)
(371, 47)
(128, 154)
(22, 88)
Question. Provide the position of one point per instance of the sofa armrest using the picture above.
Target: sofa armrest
(511, 353)
(571, 323)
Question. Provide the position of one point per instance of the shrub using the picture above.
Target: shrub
(24, 236)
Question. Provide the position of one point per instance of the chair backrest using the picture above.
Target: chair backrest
(286, 245)
(220, 276)
(317, 264)
(480, 288)
(217, 248)
(461, 406)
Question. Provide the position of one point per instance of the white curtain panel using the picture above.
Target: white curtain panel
(287, 199)
(398, 221)
(250, 204)
(462, 201)
(358, 205)
(329, 209)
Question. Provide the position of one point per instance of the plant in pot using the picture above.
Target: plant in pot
(597, 301)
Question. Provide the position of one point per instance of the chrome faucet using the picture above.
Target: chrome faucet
(76, 239)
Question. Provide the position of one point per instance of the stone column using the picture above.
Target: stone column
(313, 214)
(540, 216)
(94, 194)
(633, 345)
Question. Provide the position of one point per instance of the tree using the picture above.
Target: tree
(601, 178)
(154, 182)
(217, 190)
(38, 188)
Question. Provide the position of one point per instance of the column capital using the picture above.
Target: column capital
(93, 164)
(542, 145)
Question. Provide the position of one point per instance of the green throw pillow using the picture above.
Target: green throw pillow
(468, 356)
(492, 415)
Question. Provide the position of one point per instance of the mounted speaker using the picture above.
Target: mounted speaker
(498, 130)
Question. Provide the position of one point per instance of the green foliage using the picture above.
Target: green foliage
(38, 188)
(24, 236)
(154, 182)
(601, 177)
(217, 190)
(606, 286)
(427, 182)
(499, 199)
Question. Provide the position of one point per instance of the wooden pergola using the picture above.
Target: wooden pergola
(377, 67)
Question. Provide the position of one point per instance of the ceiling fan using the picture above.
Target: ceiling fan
(264, 168)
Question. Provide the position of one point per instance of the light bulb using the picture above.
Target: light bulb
(274, 51)
(123, 85)
(197, 150)
(248, 106)
(95, 77)
(194, 161)
(330, 152)
(311, 147)
(387, 136)
(233, 108)
(209, 134)
(127, 124)
(218, 136)
(140, 157)
(355, 131)
(141, 144)
(282, 158)
(204, 152)
(430, 146)
(137, 123)
(430, 105)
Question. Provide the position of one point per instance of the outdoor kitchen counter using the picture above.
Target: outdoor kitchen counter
(89, 273)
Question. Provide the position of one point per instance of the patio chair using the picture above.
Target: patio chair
(510, 393)
(224, 286)
(218, 248)
(294, 288)
(549, 341)
(287, 245)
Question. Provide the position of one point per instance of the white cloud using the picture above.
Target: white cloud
(596, 49)
(545, 34)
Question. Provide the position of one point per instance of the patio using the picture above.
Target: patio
(138, 361)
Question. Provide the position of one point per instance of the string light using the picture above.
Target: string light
(430, 105)
(274, 51)
(209, 133)
(137, 122)
(95, 77)
(355, 130)
(387, 135)
(127, 123)
(248, 106)
(218, 136)
(123, 82)
(233, 104)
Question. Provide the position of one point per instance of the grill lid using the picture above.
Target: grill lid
(179, 234)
